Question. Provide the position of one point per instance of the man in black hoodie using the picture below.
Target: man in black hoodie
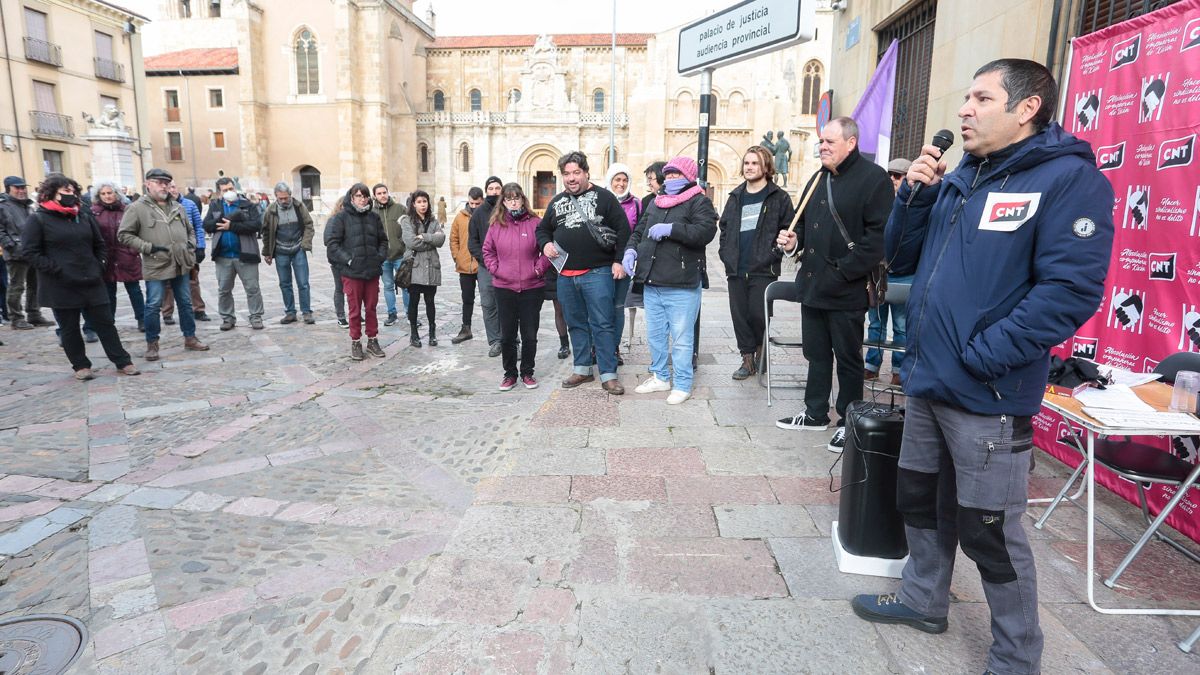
(754, 214)
(477, 231)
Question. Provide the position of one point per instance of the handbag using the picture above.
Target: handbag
(877, 277)
(404, 272)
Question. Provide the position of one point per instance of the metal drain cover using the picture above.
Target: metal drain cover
(40, 644)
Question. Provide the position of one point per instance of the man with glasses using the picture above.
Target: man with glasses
(877, 317)
(157, 226)
(198, 308)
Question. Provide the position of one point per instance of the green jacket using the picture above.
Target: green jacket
(390, 214)
(146, 224)
(270, 226)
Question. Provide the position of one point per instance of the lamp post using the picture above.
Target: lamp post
(612, 112)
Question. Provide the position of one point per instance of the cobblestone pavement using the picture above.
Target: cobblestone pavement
(272, 507)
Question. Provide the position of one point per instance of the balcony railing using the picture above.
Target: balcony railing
(51, 124)
(109, 70)
(40, 50)
(172, 114)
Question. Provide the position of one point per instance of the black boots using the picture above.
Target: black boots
(747, 368)
(432, 335)
(414, 338)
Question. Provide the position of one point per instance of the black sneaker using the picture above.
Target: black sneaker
(838, 442)
(169, 320)
(343, 322)
(887, 608)
(201, 316)
(391, 319)
(802, 423)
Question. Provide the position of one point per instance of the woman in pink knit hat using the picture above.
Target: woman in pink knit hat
(665, 255)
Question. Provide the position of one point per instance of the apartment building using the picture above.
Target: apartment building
(62, 60)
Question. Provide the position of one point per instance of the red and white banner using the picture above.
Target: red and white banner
(1134, 94)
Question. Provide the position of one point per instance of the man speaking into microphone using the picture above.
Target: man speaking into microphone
(1009, 251)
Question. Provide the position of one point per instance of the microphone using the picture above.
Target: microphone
(942, 140)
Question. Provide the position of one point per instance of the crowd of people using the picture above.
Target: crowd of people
(993, 299)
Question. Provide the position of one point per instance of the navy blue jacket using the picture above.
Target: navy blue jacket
(1010, 254)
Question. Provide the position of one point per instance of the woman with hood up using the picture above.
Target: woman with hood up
(618, 179)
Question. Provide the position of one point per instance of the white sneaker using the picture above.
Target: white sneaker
(678, 397)
(652, 385)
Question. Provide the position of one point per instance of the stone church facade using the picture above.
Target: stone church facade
(327, 93)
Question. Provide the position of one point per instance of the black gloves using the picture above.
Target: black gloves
(199, 256)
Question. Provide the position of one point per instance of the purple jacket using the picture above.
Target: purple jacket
(633, 209)
(124, 263)
(510, 253)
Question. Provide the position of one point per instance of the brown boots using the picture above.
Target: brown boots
(193, 344)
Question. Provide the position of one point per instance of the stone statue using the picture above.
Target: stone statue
(544, 45)
(110, 118)
(768, 143)
(783, 156)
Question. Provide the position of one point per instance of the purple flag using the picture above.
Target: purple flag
(874, 110)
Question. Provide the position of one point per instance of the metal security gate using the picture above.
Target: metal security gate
(1097, 14)
(914, 30)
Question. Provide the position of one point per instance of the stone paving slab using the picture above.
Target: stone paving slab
(272, 507)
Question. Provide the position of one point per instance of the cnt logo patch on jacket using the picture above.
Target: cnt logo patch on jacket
(1007, 211)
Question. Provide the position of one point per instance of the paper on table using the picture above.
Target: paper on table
(1113, 397)
(1167, 421)
(1132, 379)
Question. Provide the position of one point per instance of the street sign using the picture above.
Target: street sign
(824, 110)
(744, 31)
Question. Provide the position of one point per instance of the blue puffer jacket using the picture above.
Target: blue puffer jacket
(1010, 254)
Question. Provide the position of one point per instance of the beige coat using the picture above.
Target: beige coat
(146, 224)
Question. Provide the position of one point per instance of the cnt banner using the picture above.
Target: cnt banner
(1134, 94)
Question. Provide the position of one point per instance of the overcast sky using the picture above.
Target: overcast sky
(506, 17)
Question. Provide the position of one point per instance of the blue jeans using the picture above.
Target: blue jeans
(877, 318)
(621, 290)
(136, 300)
(671, 315)
(587, 303)
(285, 266)
(389, 286)
(182, 290)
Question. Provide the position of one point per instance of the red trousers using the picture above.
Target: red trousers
(362, 293)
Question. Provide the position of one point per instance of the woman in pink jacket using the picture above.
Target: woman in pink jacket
(511, 255)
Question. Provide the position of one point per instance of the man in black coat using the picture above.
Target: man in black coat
(834, 272)
(476, 232)
(234, 225)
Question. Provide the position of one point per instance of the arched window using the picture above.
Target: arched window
(813, 70)
(308, 73)
(464, 157)
(439, 101)
(598, 101)
(476, 100)
(423, 157)
(514, 96)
